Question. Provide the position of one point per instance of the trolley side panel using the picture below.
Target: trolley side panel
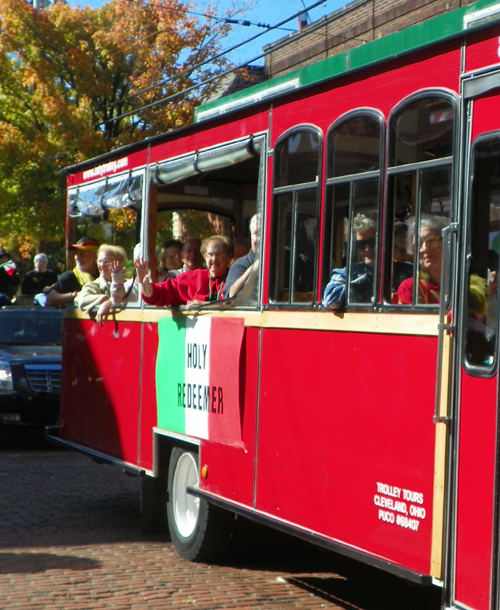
(346, 439)
(100, 392)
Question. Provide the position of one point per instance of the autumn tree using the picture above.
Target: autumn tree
(75, 83)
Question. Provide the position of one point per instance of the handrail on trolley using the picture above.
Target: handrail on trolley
(443, 326)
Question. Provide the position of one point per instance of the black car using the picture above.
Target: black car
(30, 365)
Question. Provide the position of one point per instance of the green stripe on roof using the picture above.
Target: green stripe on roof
(420, 35)
(323, 70)
(412, 38)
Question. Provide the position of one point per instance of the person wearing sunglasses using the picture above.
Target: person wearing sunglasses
(361, 284)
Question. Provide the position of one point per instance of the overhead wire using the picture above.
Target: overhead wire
(200, 65)
(230, 20)
(214, 58)
(207, 16)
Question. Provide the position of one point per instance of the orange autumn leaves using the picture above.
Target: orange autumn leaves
(67, 75)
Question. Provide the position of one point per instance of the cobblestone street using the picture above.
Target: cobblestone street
(70, 539)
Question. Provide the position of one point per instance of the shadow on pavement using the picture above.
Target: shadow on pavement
(373, 594)
(24, 438)
(325, 574)
(33, 563)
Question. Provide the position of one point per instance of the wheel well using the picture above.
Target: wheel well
(154, 494)
(163, 446)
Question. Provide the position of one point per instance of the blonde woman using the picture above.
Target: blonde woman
(95, 297)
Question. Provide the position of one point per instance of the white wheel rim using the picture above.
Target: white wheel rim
(186, 507)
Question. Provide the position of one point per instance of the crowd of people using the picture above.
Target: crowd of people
(189, 273)
(217, 268)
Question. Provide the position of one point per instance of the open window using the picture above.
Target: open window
(109, 210)
(213, 191)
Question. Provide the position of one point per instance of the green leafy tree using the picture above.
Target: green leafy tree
(70, 80)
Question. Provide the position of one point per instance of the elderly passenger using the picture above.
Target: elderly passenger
(95, 297)
(191, 288)
(361, 283)
(243, 266)
(430, 244)
(191, 255)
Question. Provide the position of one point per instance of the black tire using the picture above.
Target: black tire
(199, 531)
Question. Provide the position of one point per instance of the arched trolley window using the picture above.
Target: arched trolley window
(481, 286)
(353, 193)
(419, 191)
(297, 162)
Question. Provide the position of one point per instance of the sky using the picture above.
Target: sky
(267, 12)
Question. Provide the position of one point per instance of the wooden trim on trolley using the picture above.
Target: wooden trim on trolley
(440, 449)
(373, 323)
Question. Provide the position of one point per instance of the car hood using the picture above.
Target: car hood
(14, 352)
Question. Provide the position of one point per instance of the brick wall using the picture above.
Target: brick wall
(351, 26)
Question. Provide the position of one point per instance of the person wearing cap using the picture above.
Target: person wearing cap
(9, 278)
(70, 283)
(40, 277)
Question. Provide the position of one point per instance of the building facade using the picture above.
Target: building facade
(353, 25)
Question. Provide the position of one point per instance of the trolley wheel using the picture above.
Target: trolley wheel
(199, 530)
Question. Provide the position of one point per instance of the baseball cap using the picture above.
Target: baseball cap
(86, 243)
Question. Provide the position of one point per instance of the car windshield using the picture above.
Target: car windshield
(30, 327)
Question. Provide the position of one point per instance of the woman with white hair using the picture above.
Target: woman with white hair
(35, 281)
(430, 254)
(195, 287)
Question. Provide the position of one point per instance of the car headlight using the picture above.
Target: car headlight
(5, 376)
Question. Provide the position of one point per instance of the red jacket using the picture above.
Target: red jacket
(428, 292)
(190, 286)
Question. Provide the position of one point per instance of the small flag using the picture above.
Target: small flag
(10, 267)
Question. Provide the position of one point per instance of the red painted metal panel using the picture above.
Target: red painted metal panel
(109, 168)
(231, 469)
(148, 412)
(482, 50)
(100, 395)
(345, 431)
(219, 132)
(476, 470)
(478, 408)
(486, 114)
(381, 88)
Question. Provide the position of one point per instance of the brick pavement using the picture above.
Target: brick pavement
(70, 540)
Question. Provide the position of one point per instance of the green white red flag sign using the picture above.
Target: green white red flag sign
(197, 377)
